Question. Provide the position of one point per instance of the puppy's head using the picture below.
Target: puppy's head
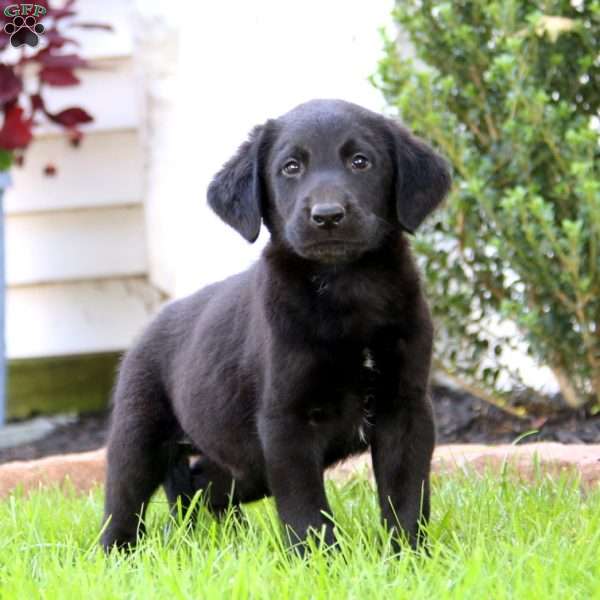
(330, 180)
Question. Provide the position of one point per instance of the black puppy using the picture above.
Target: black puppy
(319, 350)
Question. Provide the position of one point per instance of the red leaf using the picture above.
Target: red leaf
(58, 76)
(71, 117)
(10, 85)
(16, 131)
(50, 170)
(37, 103)
(64, 61)
(75, 137)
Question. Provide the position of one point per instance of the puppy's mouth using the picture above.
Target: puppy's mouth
(332, 251)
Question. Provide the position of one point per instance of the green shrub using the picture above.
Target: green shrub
(509, 91)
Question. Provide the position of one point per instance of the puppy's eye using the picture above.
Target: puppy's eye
(360, 162)
(291, 168)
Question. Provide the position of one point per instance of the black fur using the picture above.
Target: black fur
(318, 351)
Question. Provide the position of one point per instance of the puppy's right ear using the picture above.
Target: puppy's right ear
(235, 192)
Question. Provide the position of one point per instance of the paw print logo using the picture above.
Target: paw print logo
(24, 31)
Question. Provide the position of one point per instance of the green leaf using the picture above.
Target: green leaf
(506, 90)
(6, 159)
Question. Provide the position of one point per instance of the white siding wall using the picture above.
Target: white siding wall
(105, 170)
(239, 64)
(76, 242)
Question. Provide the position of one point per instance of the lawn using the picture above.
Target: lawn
(491, 538)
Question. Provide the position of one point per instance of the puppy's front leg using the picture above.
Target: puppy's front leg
(295, 474)
(401, 448)
(404, 438)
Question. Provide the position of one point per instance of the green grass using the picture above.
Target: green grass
(491, 538)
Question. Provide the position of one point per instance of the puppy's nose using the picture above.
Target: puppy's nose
(327, 216)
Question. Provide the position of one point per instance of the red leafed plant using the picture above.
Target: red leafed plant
(52, 61)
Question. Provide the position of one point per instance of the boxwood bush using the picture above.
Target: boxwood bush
(509, 91)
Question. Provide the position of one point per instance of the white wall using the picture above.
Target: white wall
(76, 255)
(239, 64)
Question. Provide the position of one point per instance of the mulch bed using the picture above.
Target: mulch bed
(461, 418)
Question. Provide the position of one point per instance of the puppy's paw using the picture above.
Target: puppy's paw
(323, 540)
(124, 542)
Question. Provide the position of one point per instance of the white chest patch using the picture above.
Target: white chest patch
(368, 360)
(362, 436)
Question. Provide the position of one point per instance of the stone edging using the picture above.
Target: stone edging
(523, 461)
(86, 470)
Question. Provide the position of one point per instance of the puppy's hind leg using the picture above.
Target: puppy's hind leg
(138, 454)
(221, 490)
(179, 484)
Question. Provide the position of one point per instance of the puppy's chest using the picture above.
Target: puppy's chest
(343, 407)
(355, 309)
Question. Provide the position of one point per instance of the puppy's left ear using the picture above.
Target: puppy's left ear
(422, 178)
(235, 193)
